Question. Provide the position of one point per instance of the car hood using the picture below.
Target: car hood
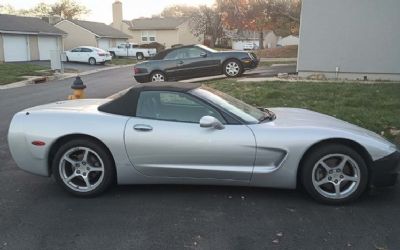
(71, 105)
(302, 118)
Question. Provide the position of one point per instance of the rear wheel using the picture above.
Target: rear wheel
(139, 56)
(158, 76)
(112, 53)
(334, 174)
(233, 68)
(83, 168)
(92, 61)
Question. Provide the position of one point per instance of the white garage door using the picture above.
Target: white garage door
(104, 43)
(46, 45)
(15, 48)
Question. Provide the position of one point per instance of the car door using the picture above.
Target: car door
(73, 55)
(195, 62)
(169, 64)
(166, 140)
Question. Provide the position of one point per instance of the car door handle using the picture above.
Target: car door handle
(143, 127)
(180, 62)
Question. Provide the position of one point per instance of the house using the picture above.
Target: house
(27, 39)
(288, 40)
(240, 38)
(167, 31)
(86, 33)
(356, 39)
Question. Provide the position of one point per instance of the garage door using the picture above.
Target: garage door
(104, 43)
(15, 48)
(46, 45)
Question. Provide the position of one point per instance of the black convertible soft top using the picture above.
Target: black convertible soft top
(127, 103)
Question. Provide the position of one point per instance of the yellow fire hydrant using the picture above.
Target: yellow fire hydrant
(78, 88)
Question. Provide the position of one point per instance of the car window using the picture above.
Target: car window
(173, 106)
(76, 50)
(86, 50)
(172, 55)
(191, 53)
(122, 46)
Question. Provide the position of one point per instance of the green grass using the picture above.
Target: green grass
(10, 73)
(123, 61)
(268, 64)
(372, 106)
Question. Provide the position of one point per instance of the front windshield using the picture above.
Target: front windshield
(241, 109)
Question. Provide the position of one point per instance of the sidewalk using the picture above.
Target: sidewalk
(265, 59)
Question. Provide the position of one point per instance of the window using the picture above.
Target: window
(86, 50)
(148, 36)
(185, 53)
(76, 50)
(173, 106)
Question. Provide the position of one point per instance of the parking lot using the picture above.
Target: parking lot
(35, 213)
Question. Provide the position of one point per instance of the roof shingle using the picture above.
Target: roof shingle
(27, 25)
(100, 29)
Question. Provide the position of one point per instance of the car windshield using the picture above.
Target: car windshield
(207, 48)
(246, 112)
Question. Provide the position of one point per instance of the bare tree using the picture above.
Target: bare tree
(206, 21)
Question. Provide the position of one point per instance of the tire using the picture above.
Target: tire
(112, 53)
(158, 76)
(233, 68)
(89, 175)
(67, 59)
(92, 61)
(334, 174)
(139, 56)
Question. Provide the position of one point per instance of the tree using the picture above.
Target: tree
(207, 21)
(178, 10)
(68, 9)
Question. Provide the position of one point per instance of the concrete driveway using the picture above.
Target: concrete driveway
(70, 66)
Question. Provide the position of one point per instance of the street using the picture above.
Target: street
(35, 213)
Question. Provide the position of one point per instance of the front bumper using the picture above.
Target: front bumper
(250, 64)
(142, 78)
(384, 172)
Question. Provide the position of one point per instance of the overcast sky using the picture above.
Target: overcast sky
(101, 9)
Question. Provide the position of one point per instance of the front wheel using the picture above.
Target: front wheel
(334, 174)
(232, 68)
(83, 168)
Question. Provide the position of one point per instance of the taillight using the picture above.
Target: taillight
(101, 54)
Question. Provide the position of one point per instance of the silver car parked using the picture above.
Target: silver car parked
(191, 134)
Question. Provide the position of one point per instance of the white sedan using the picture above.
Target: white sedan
(91, 55)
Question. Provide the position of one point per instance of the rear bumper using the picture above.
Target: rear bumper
(384, 172)
(142, 78)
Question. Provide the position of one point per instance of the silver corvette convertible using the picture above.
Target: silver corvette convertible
(175, 133)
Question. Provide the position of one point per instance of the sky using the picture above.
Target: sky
(101, 9)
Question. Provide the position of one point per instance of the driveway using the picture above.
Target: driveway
(70, 66)
(271, 71)
(35, 213)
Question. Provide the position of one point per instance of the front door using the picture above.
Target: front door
(195, 62)
(165, 140)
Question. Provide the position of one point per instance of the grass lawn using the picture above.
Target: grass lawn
(282, 52)
(268, 64)
(372, 106)
(123, 61)
(10, 73)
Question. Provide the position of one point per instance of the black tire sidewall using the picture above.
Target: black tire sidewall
(109, 170)
(316, 155)
(139, 56)
(240, 68)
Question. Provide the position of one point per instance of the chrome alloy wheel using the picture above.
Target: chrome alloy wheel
(157, 77)
(81, 169)
(336, 176)
(232, 69)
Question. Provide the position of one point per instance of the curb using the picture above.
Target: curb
(31, 81)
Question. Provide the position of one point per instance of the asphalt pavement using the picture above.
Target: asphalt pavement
(35, 213)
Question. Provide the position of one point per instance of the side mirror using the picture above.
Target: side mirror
(211, 122)
(203, 54)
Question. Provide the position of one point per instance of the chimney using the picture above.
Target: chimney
(117, 14)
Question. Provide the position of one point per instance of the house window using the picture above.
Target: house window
(148, 36)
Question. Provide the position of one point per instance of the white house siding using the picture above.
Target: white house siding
(289, 40)
(358, 38)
